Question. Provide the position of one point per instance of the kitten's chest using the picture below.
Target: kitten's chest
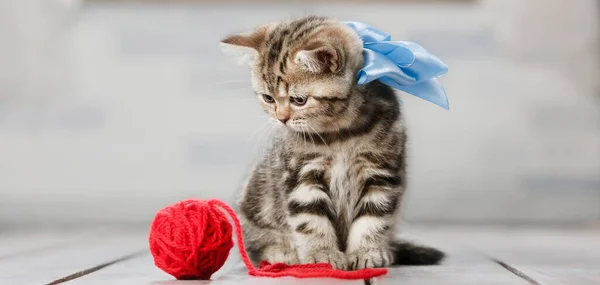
(343, 182)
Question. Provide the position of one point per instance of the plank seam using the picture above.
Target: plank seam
(516, 272)
(90, 270)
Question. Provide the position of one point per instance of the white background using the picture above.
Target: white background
(109, 112)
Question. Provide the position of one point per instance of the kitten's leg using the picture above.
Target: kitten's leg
(266, 234)
(265, 243)
(311, 218)
(373, 223)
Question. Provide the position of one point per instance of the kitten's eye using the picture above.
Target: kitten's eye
(268, 99)
(298, 101)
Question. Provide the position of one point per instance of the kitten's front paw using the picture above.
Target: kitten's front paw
(369, 258)
(332, 256)
(276, 254)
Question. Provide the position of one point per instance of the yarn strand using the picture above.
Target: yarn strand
(318, 270)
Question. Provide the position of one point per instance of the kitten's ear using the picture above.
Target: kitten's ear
(245, 46)
(319, 58)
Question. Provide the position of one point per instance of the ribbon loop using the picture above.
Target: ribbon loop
(403, 65)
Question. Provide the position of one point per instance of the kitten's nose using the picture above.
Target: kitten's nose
(283, 115)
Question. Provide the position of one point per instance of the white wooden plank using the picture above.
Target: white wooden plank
(548, 256)
(552, 257)
(48, 265)
(561, 275)
(134, 271)
(450, 275)
(21, 241)
(461, 267)
(141, 270)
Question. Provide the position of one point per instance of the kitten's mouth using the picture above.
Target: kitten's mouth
(300, 126)
(296, 128)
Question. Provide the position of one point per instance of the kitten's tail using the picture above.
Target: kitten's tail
(406, 253)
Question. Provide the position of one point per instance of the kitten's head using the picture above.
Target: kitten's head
(303, 71)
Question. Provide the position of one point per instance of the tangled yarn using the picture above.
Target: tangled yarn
(192, 239)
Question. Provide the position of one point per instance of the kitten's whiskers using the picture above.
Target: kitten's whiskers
(317, 133)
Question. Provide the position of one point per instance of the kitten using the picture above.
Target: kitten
(330, 185)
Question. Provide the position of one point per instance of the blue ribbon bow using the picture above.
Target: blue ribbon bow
(403, 65)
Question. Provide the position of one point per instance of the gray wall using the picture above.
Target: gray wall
(109, 112)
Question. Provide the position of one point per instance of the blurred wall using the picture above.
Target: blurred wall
(110, 111)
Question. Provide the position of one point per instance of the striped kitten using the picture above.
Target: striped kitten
(329, 188)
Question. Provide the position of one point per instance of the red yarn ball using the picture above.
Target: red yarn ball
(190, 239)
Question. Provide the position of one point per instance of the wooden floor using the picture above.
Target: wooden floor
(476, 255)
